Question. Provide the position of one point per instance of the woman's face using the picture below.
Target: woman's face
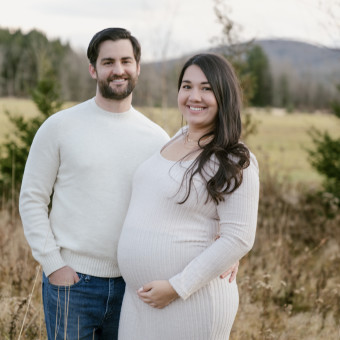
(196, 100)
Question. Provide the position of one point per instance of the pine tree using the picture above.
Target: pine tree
(15, 150)
(258, 65)
(325, 158)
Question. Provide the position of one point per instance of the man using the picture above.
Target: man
(84, 158)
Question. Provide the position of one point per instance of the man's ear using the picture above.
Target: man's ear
(138, 69)
(92, 71)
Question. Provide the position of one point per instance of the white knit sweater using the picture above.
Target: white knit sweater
(86, 157)
(164, 240)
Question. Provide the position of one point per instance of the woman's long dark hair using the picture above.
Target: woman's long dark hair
(230, 154)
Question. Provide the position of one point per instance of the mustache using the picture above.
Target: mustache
(115, 77)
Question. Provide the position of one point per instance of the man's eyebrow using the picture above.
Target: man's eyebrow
(112, 59)
(107, 59)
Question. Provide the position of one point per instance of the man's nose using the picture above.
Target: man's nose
(118, 69)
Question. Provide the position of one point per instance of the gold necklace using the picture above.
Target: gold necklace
(189, 140)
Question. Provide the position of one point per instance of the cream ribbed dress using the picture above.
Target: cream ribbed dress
(163, 240)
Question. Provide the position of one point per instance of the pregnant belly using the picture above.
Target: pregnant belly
(149, 255)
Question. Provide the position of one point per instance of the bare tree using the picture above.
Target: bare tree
(332, 24)
(235, 50)
(164, 70)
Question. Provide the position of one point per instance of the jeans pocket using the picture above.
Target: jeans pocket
(54, 286)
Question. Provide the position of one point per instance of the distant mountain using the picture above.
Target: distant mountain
(302, 57)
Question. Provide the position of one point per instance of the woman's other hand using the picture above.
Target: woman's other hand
(232, 270)
(157, 294)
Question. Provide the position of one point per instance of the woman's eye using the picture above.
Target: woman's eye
(206, 88)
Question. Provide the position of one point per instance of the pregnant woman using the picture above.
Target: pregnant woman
(192, 214)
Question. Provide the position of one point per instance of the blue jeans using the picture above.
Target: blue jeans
(87, 310)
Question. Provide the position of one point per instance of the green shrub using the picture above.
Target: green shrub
(15, 150)
(325, 158)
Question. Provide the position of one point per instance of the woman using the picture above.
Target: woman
(203, 183)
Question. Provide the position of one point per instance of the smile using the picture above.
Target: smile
(118, 81)
(196, 108)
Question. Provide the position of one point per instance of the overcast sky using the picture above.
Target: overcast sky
(175, 27)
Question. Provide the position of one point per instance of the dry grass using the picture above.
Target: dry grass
(19, 273)
(290, 282)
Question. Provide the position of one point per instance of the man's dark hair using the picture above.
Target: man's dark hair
(114, 34)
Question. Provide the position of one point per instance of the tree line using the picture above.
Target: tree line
(25, 57)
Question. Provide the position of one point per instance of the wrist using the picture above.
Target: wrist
(174, 294)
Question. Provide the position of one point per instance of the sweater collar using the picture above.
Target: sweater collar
(118, 115)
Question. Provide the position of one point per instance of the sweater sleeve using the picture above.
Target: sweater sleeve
(238, 219)
(37, 185)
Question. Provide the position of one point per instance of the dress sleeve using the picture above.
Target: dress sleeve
(238, 219)
(37, 185)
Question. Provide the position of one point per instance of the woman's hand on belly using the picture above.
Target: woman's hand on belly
(157, 294)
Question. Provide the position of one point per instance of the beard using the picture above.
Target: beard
(116, 94)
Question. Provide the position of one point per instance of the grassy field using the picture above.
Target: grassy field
(282, 140)
(289, 284)
(280, 143)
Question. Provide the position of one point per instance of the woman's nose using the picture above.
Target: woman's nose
(195, 95)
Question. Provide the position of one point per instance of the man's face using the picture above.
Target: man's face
(116, 69)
